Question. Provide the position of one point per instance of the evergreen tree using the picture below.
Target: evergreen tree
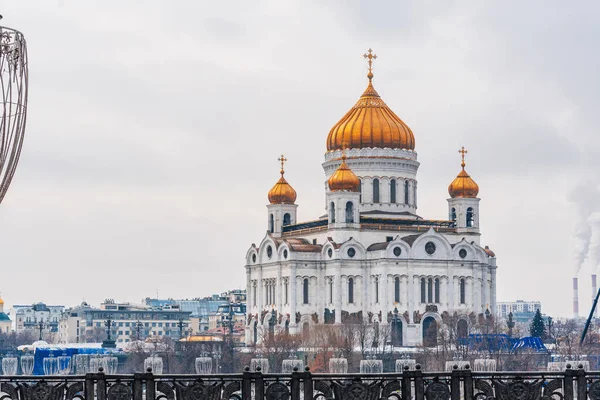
(537, 327)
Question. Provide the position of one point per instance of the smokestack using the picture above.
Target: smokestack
(594, 290)
(575, 299)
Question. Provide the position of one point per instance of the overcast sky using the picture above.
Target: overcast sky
(154, 129)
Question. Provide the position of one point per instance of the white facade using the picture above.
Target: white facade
(385, 258)
(370, 257)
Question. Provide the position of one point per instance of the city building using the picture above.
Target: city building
(371, 257)
(201, 308)
(5, 323)
(523, 311)
(226, 313)
(35, 317)
(128, 322)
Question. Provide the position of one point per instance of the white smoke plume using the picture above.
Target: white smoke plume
(586, 199)
(593, 254)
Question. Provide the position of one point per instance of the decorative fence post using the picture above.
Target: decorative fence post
(150, 385)
(308, 384)
(246, 384)
(581, 383)
(100, 385)
(467, 382)
(407, 383)
(295, 384)
(455, 383)
(89, 386)
(259, 387)
(138, 387)
(568, 383)
(419, 385)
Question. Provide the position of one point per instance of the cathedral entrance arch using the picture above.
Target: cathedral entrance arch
(429, 332)
(396, 332)
(462, 329)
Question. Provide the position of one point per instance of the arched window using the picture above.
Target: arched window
(462, 291)
(423, 291)
(429, 332)
(271, 223)
(332, 212)
(429, 290)
(350, 290)
(375, 190)
(405, 192)
(349, 212)
(305, 291)
(393, 191)
(437, 290)
(397, 290)
(287, 219)
(470, 217)
(377, 290)
(453, 214)
(331, 291)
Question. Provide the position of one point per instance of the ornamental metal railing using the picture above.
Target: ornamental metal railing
(304, 385)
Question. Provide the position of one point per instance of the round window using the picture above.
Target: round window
(285, 254)
(397, 251)
(330, 252)
(430, 248)
(253, 258)
(269, 251)
(351, 252)
(462, 253)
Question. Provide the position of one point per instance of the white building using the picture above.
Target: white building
(518, 307)
(33, 317)
(371, 254)
(128, 322)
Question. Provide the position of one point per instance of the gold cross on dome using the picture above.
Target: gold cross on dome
(282, 159)
(462, 153)
(370, 57)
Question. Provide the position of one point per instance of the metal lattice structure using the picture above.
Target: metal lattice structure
(14, 79)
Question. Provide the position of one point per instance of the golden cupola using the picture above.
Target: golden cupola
(370, 123)
(463, 185)
(282, 192)
(344, 179)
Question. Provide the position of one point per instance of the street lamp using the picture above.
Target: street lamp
(138, 328)
(41, 328)
(396, 338)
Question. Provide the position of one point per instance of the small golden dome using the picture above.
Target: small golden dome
(463, 185)
(344, 179)
(370, 123)
(1, 301)
(282, 192)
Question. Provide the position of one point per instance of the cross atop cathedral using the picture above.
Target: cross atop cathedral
(282, 159)
(370, 57)
(462, 153)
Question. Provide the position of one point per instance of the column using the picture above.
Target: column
(415, 193)
(337, 293)
(469, 283)
(279, 291)
(261, 293)
(404, 291)
(444, 293)
(486, 294)
(366, 273)
(384, 290)
(249, 288)
(493, 309)
(293, 285)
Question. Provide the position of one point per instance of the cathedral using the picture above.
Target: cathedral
(370, 257)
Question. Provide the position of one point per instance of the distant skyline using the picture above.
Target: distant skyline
(153, 134)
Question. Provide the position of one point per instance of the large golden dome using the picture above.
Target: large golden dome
(282, 192)
(344, 179)
(370, 123)
(463, 185)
